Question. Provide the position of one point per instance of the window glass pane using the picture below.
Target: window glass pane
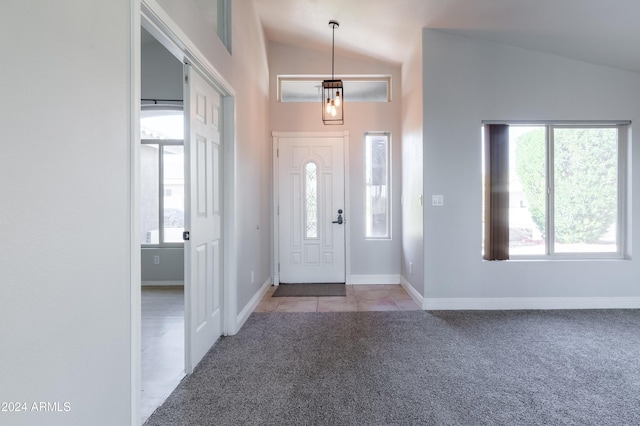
(311, 200)
(310, 90)
(173, 218)
(585, 189)
(377, 186)
(527, 194)
(150, 193)
(161, 124)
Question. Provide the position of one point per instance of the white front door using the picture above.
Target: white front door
(203, 197)
(311, 218)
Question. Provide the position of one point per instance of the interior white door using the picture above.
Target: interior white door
(203, 196)
(311, 210)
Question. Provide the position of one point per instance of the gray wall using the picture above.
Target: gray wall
(66, 258)
(467, 81)
(161, 71)
(412, 174)
(69, 271)
(169, 270)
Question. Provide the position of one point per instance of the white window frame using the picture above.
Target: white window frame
(622, 231)
(367, 173)
(318, 78)
(161, 190)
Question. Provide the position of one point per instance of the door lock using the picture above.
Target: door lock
(340, 221)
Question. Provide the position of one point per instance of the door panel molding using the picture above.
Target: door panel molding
(276, 137)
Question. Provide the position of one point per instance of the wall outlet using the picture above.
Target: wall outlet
(437, 200)
(156, 260)
(252, 277)
(411, 267)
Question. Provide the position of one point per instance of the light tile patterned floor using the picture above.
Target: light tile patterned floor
(381, 297)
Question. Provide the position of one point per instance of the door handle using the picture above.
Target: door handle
(340, 221)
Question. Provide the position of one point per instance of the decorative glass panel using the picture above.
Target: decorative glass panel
(311, 200)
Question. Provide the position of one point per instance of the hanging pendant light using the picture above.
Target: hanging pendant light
(333, 90)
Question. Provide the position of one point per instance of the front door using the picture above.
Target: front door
(203, 196)
(311, 216)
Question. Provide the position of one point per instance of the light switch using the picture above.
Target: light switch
(437, 200)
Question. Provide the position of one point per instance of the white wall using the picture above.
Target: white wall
(467, 81)
(412, 175)
(65, 254)
(367, 257)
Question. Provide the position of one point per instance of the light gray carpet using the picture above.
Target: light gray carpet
(310, 290)
(418, 368)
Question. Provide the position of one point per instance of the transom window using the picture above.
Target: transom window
(356, 88)
(554, 190)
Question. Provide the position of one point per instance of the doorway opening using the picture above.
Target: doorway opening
(162, 221)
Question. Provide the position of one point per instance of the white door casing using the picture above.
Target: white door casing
(311, 245)
(203, 197)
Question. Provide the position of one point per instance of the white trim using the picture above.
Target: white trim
(243, 316)
(135, 383)
(373, 279)
(515, 303)
(158, 283)
(275, 225)
(417, 297)
(230, 268)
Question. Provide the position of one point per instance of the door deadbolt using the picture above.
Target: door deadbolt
(339, 221)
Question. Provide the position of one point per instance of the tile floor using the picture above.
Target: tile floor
(382, 297)
(162, 345)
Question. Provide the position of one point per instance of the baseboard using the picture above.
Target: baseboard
(162, 283)
(417, 297)
(373, 279)
(242, 317)
(515, 303)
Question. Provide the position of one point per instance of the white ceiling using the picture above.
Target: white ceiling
(605, 32)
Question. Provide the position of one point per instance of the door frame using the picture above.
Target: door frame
(276, 136)
(148, 14)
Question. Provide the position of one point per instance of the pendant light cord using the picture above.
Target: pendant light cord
(333, 44)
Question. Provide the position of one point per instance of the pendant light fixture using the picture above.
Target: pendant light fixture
(333, 90)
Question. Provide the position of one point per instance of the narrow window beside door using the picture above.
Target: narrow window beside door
(377, 186)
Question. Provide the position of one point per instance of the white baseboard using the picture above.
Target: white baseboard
(251, 306)
(162, 283)
(514, 303)
(417, 297)
(373, 279)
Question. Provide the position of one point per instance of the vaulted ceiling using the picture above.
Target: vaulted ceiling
(605, 32)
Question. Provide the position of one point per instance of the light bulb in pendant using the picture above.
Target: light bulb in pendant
(338, 101)
(328, 106)
(333, 109)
